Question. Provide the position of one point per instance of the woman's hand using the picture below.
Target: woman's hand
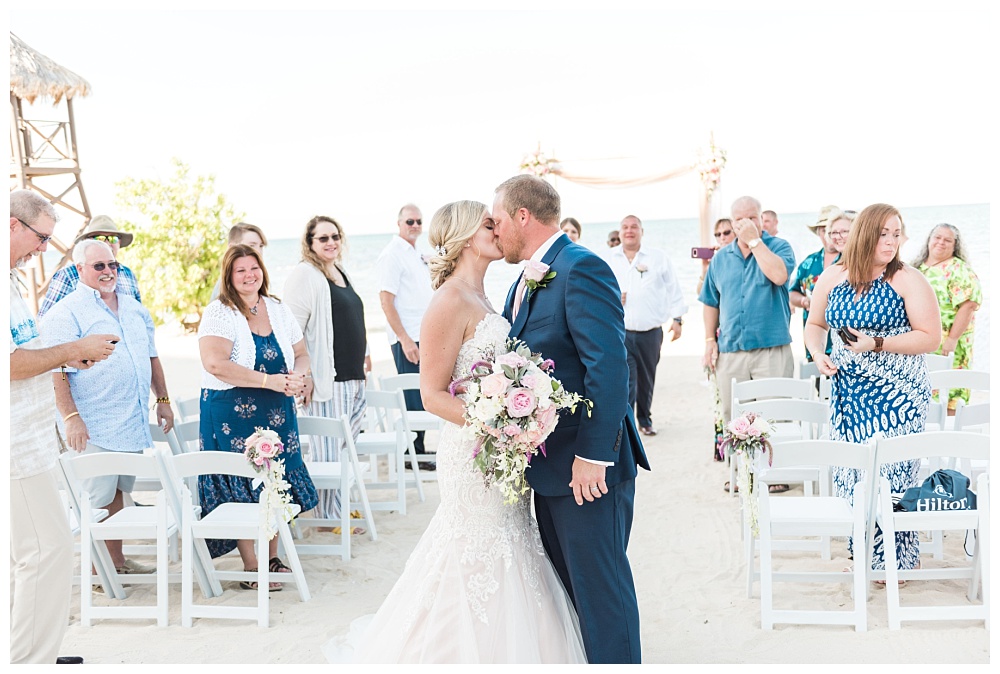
(306, 397)
(863, 344)
(76, 434)
(295, 384)
(949, 344)
(825, 365)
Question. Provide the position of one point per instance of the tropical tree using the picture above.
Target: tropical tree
(180, 226)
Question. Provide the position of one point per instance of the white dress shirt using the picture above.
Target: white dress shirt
(652, 293)
(402, 271)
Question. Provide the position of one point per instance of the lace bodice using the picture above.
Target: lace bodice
(472, 520)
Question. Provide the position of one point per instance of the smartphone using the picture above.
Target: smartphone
(846, 337)
(702, 253)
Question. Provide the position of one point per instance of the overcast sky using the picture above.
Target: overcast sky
(353, 113)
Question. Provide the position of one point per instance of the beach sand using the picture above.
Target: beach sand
(685, 551)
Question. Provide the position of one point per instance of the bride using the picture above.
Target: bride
(478, 587)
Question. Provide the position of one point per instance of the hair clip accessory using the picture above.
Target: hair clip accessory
(440, 250)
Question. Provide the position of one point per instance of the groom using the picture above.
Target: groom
(585, 483)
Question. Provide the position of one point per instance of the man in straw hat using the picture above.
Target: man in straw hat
(64, 281)
(41, 547)
(801, 286)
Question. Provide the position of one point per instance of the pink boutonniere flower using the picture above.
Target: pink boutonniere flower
(642, 269)
(536, 275)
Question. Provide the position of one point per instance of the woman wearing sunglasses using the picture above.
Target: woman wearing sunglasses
(332, 317)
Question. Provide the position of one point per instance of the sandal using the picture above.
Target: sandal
(252, 584)
(278, 566)
(725, 488)
(777, 489)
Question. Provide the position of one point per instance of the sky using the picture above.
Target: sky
(353, 113)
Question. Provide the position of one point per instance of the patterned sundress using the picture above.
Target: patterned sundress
(228, 417)
(876, 395)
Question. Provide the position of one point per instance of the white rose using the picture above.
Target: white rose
(762, 426)
(488, 408)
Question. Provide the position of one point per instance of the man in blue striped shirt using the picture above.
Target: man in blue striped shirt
(64, 281)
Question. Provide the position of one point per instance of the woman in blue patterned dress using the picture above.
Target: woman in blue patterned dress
(880, 386)
(254, 363)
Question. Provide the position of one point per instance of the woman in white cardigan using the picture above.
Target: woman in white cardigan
(332, 317)
(254, 364)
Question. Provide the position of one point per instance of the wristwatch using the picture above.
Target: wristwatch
(678, 321)
(878, 344)
(753, 243)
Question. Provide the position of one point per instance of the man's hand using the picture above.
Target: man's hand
(76, 434)
(96, 347)
(588, 481)
(368, 364)
(675, 329)
(164, 416)
(711, 355)
(410, 349)
(746, 230)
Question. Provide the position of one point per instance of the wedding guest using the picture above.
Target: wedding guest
(943, 261)
(724, 235)
(254, 362)
(746, 310)
(332, 317)
(651, 296)
(572, 228)
(614, 238)
(404, 284)
(248, 235)
(801, 286)
(106, 408)
(63, 282)
(41, 547)
(890, 321)
(769, 222)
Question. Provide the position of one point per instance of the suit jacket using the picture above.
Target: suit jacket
(577, 320)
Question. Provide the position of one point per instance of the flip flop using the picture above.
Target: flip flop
(725, 488)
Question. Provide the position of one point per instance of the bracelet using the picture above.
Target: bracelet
(70, 416)
(164, 400)
(710, 339)
(264, 383)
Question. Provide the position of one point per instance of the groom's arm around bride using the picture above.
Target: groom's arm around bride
(585, 484)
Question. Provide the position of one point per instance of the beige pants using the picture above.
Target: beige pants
(744, 365)
(41, 569)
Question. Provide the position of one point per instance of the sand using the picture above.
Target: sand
(685, 552)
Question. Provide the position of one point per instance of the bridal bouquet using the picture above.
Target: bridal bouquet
(261, 449)
(512, 406)
(747, 436)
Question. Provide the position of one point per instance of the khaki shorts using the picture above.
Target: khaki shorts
(102, 489)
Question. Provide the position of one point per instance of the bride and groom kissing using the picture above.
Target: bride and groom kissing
(486, 583)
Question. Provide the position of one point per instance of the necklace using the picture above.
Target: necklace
(480, 292)
(253, 309)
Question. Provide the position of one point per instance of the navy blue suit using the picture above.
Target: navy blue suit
(577, 320)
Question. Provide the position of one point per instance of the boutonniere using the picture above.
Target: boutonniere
(642, 269)
(536, 275)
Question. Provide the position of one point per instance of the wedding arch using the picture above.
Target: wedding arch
(708, 165)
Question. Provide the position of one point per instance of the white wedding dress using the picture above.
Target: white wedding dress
(478, 587)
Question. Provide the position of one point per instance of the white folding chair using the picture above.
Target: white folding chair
(936, 361)
(823, 516)
(943, 381)
(390, 437)
(345, 475)
(153, 522)
(241, 521)
(188, 409)
(767, 389)
(968, 446)
(418, 420)
(99, 554)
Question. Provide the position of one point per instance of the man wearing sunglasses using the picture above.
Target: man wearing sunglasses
(101, 228)
(41, 547)
(404, 283)
(106, 408)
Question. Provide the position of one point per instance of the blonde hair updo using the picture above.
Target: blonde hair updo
(452, 225)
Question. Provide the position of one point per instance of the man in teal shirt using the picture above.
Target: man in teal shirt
(801, 286)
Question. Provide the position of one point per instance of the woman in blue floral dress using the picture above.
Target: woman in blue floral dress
(879, 375)
(254, 363)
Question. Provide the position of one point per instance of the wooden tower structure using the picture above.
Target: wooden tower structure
(43, 154)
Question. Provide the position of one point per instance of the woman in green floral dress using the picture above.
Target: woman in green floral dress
(959, 294)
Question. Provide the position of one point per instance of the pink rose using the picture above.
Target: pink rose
(495, 385)
(547, 418)
(266, 449)
(520, 402)
(513, 360)
(535, 271)
(512, 430)
(753, 431)
(739, 427)
(528, 381)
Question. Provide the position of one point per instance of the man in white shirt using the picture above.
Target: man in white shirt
(41, 547)
(651, 296)
(404, 283)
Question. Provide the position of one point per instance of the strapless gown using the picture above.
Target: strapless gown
(478, 587)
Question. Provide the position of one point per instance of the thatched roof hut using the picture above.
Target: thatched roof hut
(33, 74)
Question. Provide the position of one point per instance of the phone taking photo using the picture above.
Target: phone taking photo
(698, 253)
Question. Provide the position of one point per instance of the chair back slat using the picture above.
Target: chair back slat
(86, 466)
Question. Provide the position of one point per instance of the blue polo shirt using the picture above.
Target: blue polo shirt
(753, 312)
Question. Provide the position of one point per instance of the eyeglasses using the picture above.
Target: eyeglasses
(41, 237)
(838, 234)
(106, 238)
(99, 266)
(726, 232)
(327, 237)
(412, 222)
